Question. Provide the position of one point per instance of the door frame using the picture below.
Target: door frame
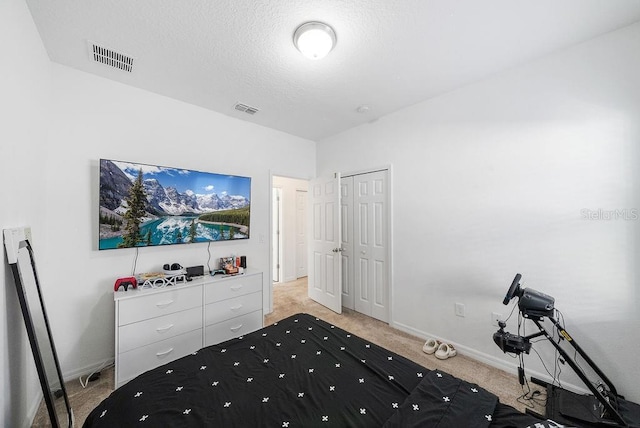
(390, 210)
(302, 257)
(269, 293)
(276, 239)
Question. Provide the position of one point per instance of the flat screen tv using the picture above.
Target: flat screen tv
(147, 205)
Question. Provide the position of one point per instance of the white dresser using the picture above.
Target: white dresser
(156, 326)
(232, 308)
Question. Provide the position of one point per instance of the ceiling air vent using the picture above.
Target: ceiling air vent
(110, 57)
(245, 108)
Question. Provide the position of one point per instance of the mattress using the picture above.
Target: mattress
(301, 372)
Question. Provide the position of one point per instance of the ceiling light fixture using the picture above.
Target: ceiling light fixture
(314, 39)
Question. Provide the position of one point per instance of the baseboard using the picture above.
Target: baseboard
(489, 360)
(86, 370)
(33, 410)
(72, 375)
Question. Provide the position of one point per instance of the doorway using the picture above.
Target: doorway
(289, 229)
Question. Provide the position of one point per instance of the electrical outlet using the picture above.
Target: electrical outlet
(459, 309)
(495, 317)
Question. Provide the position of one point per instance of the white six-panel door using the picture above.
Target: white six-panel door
(346, 224)
(324, 267)
(369, 245)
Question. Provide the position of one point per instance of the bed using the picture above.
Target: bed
(301, 372)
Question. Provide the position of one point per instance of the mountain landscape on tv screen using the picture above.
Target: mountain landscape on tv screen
(170, 215)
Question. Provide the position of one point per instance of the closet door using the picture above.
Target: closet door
(346, 214)
(370, 244)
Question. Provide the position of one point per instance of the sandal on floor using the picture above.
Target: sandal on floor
(430, 346)
(446, 350)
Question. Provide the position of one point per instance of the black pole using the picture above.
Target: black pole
(597, 393)
(63, 390)
(35, 349)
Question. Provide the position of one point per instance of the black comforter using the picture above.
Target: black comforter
(301, 372)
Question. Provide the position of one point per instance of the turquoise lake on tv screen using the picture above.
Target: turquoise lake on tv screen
(175, 230)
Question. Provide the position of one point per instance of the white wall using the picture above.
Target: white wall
(94, 118)
(24, 89)
(60, 123)
(289, 188)
(494, 178)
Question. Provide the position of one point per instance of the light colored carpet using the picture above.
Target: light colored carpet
(82, 400)
(291, 298)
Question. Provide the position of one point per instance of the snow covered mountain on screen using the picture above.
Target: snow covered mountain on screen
(170, 201)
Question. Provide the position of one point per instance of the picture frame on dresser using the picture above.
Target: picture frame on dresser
(154, 326)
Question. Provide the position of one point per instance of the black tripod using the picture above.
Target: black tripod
(605, 407)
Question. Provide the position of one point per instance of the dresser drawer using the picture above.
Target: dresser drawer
(223, 310)
(158, 304)
(153, 330)
(232, 287)
(139, 360)
(234, 327)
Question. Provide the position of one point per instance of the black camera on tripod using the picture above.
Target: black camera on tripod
(511, 343)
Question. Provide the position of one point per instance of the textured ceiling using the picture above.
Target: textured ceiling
(390, 53)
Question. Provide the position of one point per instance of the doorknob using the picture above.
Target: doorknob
(337, 250)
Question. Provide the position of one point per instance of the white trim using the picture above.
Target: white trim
(83, 371)
(71, 376)
(279, 243)
(33, 409)
(268, 308)
(390, 252)
(489, 360)
(366, 171)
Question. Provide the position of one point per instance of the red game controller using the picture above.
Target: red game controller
(125, 282)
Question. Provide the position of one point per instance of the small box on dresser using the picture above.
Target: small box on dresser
(158, 325)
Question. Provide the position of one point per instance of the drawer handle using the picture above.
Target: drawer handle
(163, 329)
(164, 304)
(236, 287)
(234, 329)
(162, 354)
(235, 308)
